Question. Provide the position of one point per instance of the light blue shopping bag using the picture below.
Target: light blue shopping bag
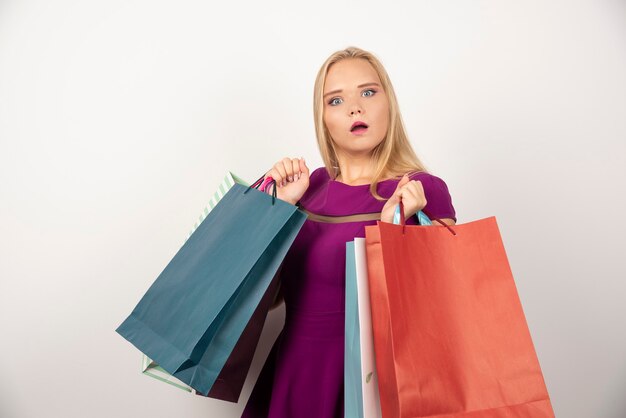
(353, 393)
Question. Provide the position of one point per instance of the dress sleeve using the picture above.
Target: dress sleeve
(438, 199)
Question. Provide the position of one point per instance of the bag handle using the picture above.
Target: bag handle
(422, 217)
(261, 185)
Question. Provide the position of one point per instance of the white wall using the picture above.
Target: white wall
(119, 118)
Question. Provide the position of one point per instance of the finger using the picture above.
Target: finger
(419, 185)
(404, 194)
(269, 174)
(402, 184)
(288, 169)
(303, 168)
(404, 180)
(417, 191)
(409, 192)
(281, 173)
(395, 197)
(411, 185)
(295, 167)
(274, 174)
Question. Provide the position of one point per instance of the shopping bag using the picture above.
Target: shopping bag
(228, 385)
(150, 368)
(451, 339)
(353, 392)
(361, 395)
(190, 319)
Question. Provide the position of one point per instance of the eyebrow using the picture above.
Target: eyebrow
(359, 86)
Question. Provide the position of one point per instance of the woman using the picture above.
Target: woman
(369, 167)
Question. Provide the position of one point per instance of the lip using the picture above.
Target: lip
(359, 122)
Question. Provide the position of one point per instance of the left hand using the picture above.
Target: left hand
(411, 192)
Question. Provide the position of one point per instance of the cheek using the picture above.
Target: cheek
(330, 120)
(383, 114)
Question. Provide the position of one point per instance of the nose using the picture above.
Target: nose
(356, 109)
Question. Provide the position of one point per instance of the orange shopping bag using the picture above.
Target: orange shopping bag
(450, 335)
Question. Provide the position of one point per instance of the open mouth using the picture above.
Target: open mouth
(358, 127)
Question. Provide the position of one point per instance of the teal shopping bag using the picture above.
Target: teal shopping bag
(191, 318)
(229, 386)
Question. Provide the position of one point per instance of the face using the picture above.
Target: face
(353, 93)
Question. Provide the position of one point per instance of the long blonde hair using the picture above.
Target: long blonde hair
(394, 156)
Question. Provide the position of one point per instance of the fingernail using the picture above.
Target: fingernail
(290, 178)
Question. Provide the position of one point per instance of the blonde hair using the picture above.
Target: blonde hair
(394, 156)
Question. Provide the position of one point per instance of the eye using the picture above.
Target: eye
(335, 101)
(369, 92)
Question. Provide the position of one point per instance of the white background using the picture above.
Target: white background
(119, 118)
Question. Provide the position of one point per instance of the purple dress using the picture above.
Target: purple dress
(303, 375)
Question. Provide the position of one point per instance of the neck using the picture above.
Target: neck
(355, 170)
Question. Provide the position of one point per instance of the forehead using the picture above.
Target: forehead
(350, 72)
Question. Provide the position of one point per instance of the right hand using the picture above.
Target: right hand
(292, 179)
